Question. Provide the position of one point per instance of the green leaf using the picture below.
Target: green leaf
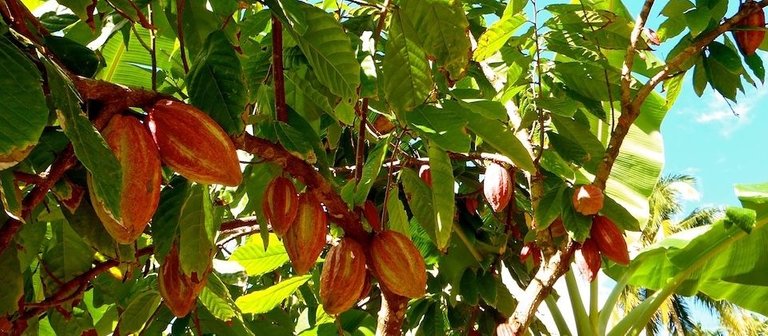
(89, 146)
(576, 224)
(86, 224)
(442, 195)
(740, 217)
(215, 296)
(371, 169)
(497, 35)
(10, 195)
(12, 280)
(697, 20)
(442, 26)
(67, 256)
(727, 57)
(165, 222)
(295, 141)
(258, 259)
(216, 83)
(498, 135)
(300, 93)
(74, 56)
(138, 312)
(264, 300)
(469, 287)
(700, 78)
(420, 201)
(22, 105)
(130, 64)
(328, 51)
(755, 64)
(196, 241)
(580, 134)
(549, 207)
(445, 128)
(406, 75)
(82, 8)
(396, 215)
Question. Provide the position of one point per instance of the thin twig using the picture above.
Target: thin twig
(180, 32)
(153, 42)
(281, 109)
(362, 112)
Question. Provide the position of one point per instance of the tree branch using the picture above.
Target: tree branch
(281, 110)
(629, 58)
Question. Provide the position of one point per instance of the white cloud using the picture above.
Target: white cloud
(731, 117)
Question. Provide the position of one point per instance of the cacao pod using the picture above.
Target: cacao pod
(305, 239)
(280, 204)
(372, 215)
(426, 175)
(366, 291)
(531, 250)
(749, 40)
(179, 290)
(343, 276)
(587, 199)
(398, 264)
(140, 163)
(193, 144)
(471, 204)
(557, 229)
(588, 260)
(609, 240)
(497, 186)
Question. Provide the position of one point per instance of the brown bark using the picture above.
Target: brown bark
(392, 314)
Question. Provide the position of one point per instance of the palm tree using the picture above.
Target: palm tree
(675, 314)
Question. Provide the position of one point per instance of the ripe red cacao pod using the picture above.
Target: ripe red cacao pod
(280, 204)
(140, 164)
(193, 144)
(179, 290)
(398, 265)
(305, 239)
(426, 175)
(497, 186)
(343, 276)
(372, 215)
(366, 291)
(609, 240)
(749, 40)
(587, 199)
(588, 259)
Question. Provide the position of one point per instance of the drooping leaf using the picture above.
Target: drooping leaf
(10, 195)
(406, 76)
(498, 34)
(67, 256)
(165, 222)
(371, 170)
(22, 105)
(262, 301)
(442, 194)
(138, 312)
(420, 201)
(396, 215)
(258, 259)
(216, 83)
(76, 57)
(446, 128)
(12, 280)
(197, 231)
(89, 146)
(215, 296)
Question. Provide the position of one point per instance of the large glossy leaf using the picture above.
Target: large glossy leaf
(216, 85)
(89, 146)
(215, 296)
(22, 105)
(165, 222)
(371, 170)
(12, 280)
(328, 50)
(258, 259)
(264, 300)
(442, 26)
(445, 128)
(67, 256)
(498, 34)
(128, 63)
(442, 194)
(138, 312)
(406, 76)
(197, 228)
(420, 201)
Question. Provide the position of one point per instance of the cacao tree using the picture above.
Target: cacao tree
(285, 167)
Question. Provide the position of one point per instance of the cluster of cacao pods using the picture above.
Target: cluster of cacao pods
(393, 259)
(751, 31)
(305, 238)
(177, 134)
(498, 186)
(604, 239)
(179, 290)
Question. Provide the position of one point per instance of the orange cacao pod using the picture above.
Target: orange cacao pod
(609, 240)
(140, 163)
(587, 199)
(280, 204)
(343, 276)
(398, 264)
(305, 239)
(426, 175)
(497, 186)
(193, 144)
(179, 290)
(749, 40)
(588, 260)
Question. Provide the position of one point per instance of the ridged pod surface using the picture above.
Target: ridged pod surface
(179, 290)
(140, 163)
(398, 265)
(749, 40)
(497, 186)
(588, 260)
(343, 276)
(193, 144)
(609, 240)
(280, 204)
(587, 199)
(305, 239)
